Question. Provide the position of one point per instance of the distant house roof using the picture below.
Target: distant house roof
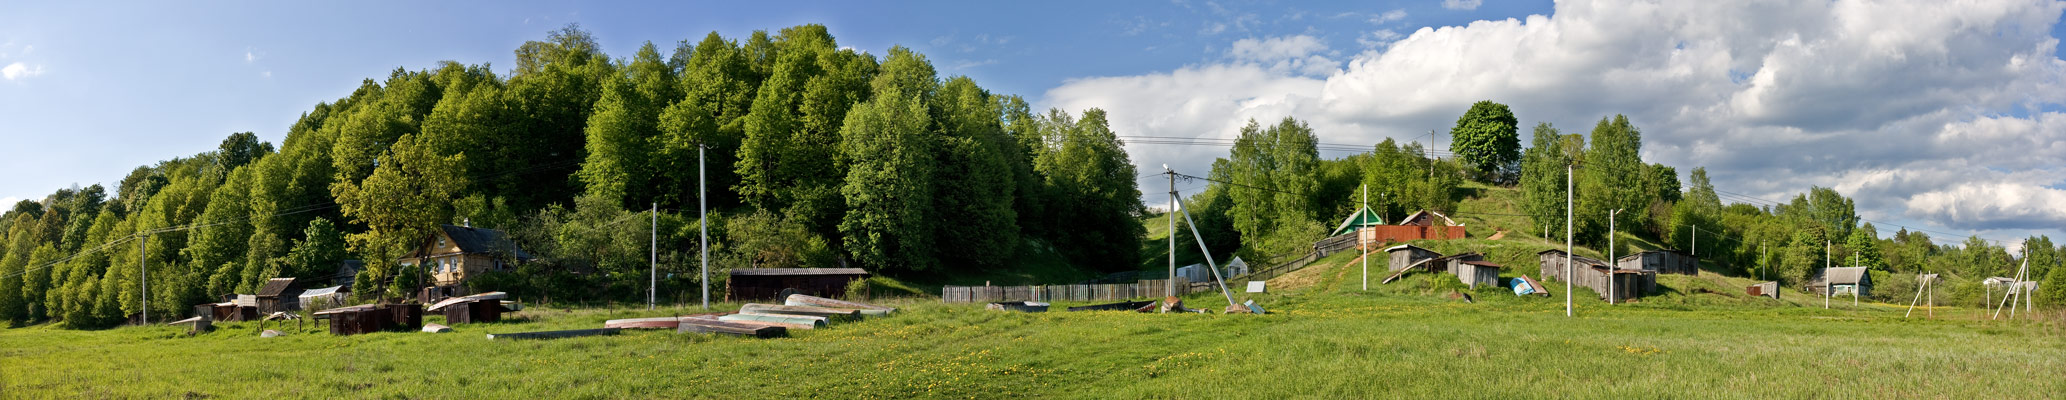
(1996, 281)
(276, 286)
(1640, 254)
(477, 240)
(1421, 218)
(797, 271)
(1844, 275)
(1361, 218)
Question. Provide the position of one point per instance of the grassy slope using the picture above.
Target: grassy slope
(1326, 339)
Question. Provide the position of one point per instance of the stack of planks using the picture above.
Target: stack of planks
(762, 320)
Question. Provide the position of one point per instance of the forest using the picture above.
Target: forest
(808, 154)
(814, 156)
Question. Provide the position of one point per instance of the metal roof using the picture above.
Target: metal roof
(1843, 275)
(320, 292)
(274, 287)
(797, 271)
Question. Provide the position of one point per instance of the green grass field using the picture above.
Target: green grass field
(1326, 340)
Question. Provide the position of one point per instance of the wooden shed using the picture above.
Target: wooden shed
(369, 318)
(279, 295)
(1405, 255)
(1475, 272)
(764, 283)
(1764, 289)
(1662, 261)
(227, 311)
(485, 307)
(1591, 273)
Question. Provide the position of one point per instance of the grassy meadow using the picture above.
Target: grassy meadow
(1325, 338)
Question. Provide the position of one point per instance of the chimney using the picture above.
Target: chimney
(468, 222)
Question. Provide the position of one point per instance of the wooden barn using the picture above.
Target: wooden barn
(1840, 281)
(1405, 255)
(279, 295)
(1662, 261)
(1591, 273)
(765, 283)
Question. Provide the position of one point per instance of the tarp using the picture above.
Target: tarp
(1522, 288)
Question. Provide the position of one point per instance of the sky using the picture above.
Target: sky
(1937, 116)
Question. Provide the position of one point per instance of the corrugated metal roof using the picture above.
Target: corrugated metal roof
(797, 271)
(1406, 246)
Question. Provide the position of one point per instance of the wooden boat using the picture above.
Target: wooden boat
(1020, 306)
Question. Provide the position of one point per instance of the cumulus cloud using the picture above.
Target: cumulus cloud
(1300, 54)
(1462, 4)
(20, 70)
(1916, 108)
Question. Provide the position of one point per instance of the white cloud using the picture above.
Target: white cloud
(1992, 205)
(1462, 4)
(7, 203)
(20, 70)
(1389, 16)
(1912, 107)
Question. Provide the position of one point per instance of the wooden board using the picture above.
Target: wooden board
(800, 310)
(644, 323)
(1256, 286)
(554, 334)
(699, 325)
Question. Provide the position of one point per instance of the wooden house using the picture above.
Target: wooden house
(1613, 284)
(454, 253)
(1854, 281)
(765, 283)
(1406, 255)
(1662, 261)
(279, 295)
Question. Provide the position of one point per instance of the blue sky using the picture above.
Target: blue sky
(91, 91)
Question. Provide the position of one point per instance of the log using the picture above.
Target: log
(793, 321)
(759, 308)
(731, 328)
(553, 334)
(815, 301)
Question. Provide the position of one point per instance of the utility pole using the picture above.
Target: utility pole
(653, 275)
(1359, 240)
(1827, 289)
(1613, 265)
(703, 215)
(1567, 239)
(144, 278)
(1169, 285)
(1762, 267)
(1696, 240)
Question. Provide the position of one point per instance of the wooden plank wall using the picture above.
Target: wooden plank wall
(1149, 288)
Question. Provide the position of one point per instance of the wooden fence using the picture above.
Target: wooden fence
(1286, 264)
(1078, 292)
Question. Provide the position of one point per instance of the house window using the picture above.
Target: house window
(441, 241)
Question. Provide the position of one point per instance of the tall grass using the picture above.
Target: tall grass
(1330, 340)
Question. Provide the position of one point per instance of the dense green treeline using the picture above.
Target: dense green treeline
(1273, 196)
(815, 156)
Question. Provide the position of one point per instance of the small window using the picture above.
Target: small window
(441, 241)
